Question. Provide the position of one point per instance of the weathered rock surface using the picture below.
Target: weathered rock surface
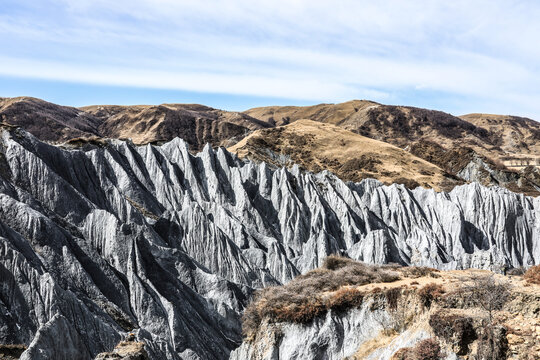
(96, 243)
(335, 336)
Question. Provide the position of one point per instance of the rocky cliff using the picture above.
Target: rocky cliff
(349, 311)
(115, 238)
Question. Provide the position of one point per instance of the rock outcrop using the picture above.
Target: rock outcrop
(115, 238)
(419, 314)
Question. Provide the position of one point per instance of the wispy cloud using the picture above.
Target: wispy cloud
(483, 51)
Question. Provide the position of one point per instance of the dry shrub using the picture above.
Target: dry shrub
(302, 300)
(455, 329)
(344, 299)
(486, 292)
(392, 297)
(493, 343)
(302, 312)
(428, 349)
(532, 276)
(429, 293)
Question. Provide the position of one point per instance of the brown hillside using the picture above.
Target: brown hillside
(329, 113)
(493, 136)
(197, 124)
(518, 137)
(47, 121)
(316, 146)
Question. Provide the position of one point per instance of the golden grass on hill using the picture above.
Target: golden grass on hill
(316, 146)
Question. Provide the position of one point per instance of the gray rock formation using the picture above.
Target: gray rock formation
(335, 336)
(98, 242)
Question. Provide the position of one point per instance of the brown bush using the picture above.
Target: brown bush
(344, 299)
(532, 276)
(302, 300)
(299, 313)
(429, 293)
(428, 349)
(392, 297)
(403, 354)
(487, 293)
(493, 343)
(409, 183)
(455, 329)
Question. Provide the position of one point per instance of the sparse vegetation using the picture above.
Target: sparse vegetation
(321, 147)
(455, 329)
(486, 292)
(519, 271)
(419, 271)
(345, 298)
(332, 287)
(490, 295)
(428, 349)
(392, 296)
(430, 293)
(466, 317)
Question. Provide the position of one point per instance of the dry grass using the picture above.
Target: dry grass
(316, 146)
(367, 348)
(455, 311)
(419, 271)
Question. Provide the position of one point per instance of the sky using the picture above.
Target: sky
(456, 56)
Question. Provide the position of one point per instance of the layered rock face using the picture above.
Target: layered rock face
(154, 240)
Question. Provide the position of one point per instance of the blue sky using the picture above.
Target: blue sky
(457, 56)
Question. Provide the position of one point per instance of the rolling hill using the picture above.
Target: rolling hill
(317, 146)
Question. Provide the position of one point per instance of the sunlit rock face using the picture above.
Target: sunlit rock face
(116, 238)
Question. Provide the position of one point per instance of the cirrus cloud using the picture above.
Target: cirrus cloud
(392, 51)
